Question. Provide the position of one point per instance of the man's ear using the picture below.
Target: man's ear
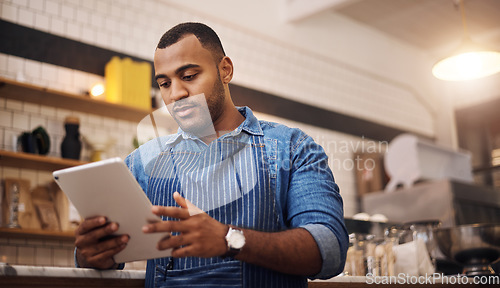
(226, 70)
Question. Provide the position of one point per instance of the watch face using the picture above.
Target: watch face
(236, 239)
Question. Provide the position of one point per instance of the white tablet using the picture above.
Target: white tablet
(108, 188)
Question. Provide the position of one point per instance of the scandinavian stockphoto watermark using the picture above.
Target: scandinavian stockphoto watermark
(362, 145)
(356, 151)
(431, 279)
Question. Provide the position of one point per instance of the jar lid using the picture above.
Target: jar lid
(72, 120)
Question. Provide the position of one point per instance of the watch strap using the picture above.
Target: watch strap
(231, 253)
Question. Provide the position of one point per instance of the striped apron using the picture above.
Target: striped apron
(229, 179)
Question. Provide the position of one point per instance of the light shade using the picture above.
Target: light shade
(470, 61)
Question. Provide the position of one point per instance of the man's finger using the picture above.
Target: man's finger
(182, 252)
(103, 246)
(165, 226)
(172, 242)
(184, 203)
(105, 259)
(172, 212)
(90, 224)
(181, 201)
(94, 235)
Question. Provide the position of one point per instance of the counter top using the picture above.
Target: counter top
(29, 276)
(41, 271)
(21, 270)
(20, 276)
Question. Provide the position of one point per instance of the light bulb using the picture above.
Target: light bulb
(468, 64)
(97, 90)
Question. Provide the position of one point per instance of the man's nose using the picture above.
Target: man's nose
(178, 91)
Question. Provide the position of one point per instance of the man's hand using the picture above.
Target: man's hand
(94, 246)
(198, 234)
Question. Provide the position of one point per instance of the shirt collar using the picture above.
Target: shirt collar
(251, 125)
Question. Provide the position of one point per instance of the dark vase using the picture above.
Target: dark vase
(71, 145)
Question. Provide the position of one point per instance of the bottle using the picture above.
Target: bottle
(71, 145)
(14, 206)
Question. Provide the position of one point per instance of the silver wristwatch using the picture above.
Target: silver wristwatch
(235, 241)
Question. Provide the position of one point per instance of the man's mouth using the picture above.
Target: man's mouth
(184, 110)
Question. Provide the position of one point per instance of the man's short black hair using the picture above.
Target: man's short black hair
(206, 35)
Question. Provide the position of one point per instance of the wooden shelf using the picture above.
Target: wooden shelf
(34, 161)
(37, 234)
(38, 162)
(36, 94)
(11, 89)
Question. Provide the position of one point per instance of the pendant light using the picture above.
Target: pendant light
(469, 61)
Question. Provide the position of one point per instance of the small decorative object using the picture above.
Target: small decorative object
(47, 210)
(42, 140)
(100, 145)
(35, 142)
(14, 206)
(71, 146)
(26, 143)
(47, 215)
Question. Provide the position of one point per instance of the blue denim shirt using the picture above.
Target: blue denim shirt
(295, 173)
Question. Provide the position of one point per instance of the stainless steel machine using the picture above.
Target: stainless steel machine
(449, 201)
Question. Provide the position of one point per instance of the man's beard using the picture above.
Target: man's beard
(215, 103)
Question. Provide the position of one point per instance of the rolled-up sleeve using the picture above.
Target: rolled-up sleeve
(329, 248)
(314, 203)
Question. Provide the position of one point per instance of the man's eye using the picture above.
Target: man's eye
(189, 77)
(164, 85)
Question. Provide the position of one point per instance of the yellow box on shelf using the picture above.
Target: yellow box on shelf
(128, 82)
(143, 85)
(113, 73)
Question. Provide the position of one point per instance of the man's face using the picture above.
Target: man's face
(186, 69)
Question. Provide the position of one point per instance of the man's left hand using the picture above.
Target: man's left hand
(197, 235)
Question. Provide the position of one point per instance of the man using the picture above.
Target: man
(249, 203)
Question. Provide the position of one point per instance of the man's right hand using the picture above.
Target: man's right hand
(94, 246)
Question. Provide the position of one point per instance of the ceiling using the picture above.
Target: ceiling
(432, 25)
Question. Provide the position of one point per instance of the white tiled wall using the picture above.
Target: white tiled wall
(134, 27)
(36, 252)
